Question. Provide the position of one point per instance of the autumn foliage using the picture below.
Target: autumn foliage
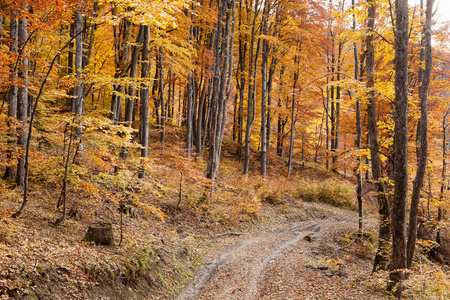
(103, 101)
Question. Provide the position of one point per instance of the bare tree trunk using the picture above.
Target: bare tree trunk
(327, 117)
(1, 30)
(131, 90)
(291, 147)
(129, 101)
(358, 135)
(265, 57)
(242, 83)
(398, 213)
(422, 132)
(12, 95)
(441, 211)
(189, 116)
(22, 99)
(251, 107)
(381, 257)
(221, 84)
(144, 128)
(78, 104)
(161, 97)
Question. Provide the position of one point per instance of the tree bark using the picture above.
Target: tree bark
(291, 147)
(252, 75)
(221, 85)
(144, 128)
(265, 57)
(22, 99)
(381, 257)
(78, 104)
(398, 213)
(358, 134)
(242, 83)
(161, 97)
(12, 95)
(422, 131)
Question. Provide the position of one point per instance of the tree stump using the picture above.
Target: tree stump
(101, 234)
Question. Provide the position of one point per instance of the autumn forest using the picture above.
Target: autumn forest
(112, 109)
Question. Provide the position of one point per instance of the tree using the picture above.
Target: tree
(422, 131)
(398, 212)
(144, 128)
(12, 92)
(223, 44)
(380, 261)
(22, 97)
(252, 83)
(358, 130)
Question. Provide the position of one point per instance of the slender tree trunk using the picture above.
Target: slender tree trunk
(443, 174)
(327, 117)
(265, 57)
(358, 135)
(78, 106)
(381, 257)
(251, 107)
(337, 105)
(70, 67)
(22, 100)
(1, 30)
(189, 116)
(422, 131)
(161, 97)
(131, 89)
(398, 213)
(129, 101)
(291, 147)
(221, 85)
(12, 95)
(144, 127)
(242, 84)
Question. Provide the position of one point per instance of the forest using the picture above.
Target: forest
(118, 111)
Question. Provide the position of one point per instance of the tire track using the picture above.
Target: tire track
(240, 268)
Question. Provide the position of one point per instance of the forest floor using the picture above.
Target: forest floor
(301, 259)
(253, 238)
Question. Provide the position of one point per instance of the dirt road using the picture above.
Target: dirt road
(300, 261)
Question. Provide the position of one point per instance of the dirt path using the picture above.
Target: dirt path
(282, 263)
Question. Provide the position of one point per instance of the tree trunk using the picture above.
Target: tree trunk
(422, 132)
(358, 135)
(12, 95)
(22, 100)
(251, 107)
(161, 97)
(1, 30)
(443, 174)
(78, 104)
(398, 213)
(220, 94)
(189, 116)
(144, 128)
(291, 147)
(131, 89)
(242, 83)
(381, 257)
(265, 57)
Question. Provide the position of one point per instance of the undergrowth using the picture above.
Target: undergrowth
(333, 191)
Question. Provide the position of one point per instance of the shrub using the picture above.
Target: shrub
(331, 191)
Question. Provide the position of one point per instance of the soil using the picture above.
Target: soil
(301, 260)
